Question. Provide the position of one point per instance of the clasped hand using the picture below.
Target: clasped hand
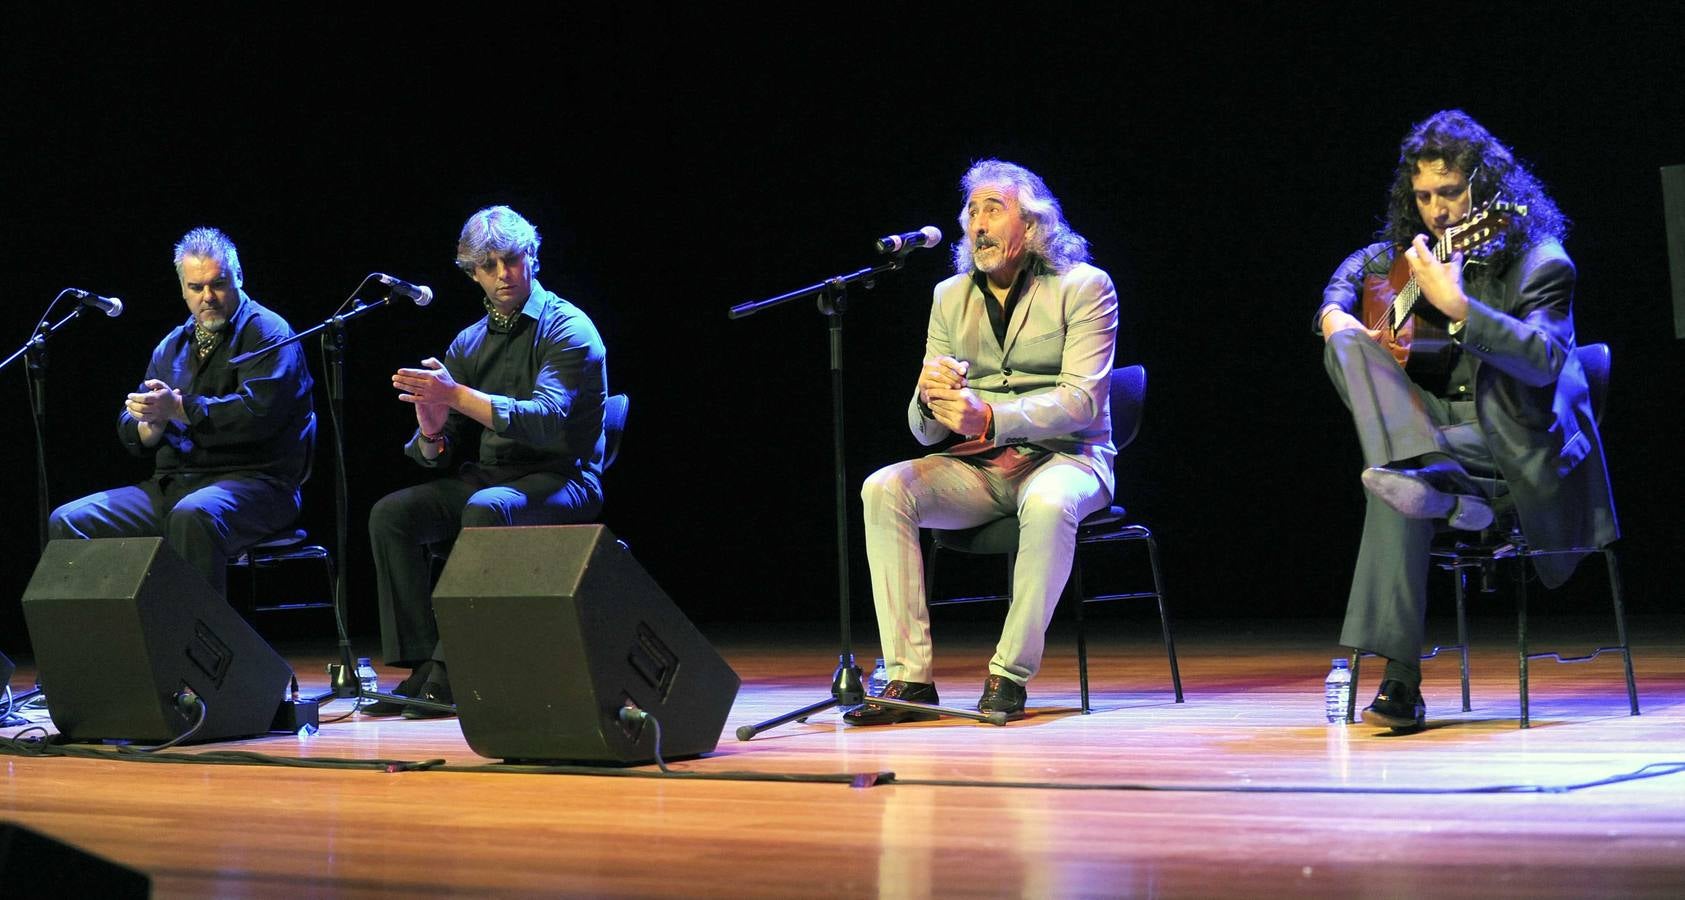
(158, 404)
(943, 387)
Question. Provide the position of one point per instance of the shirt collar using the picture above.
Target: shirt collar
(979, 278)
(533, 308)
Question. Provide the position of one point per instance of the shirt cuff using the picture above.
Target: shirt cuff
(194, 408)
(500, 408)
(1316, 323)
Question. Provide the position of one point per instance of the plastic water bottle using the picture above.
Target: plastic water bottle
(878, 681)
(1337, 690)
(368, 681)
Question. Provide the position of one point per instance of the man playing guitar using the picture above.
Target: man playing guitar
(1501, 396)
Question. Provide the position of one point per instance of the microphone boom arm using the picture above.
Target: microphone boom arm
(867, 275)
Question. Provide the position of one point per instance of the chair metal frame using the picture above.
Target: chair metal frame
(288, 545)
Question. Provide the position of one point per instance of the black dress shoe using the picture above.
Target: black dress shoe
(411, 686)
(870, 713)
(1438, 490)
(1397, 706)
(438, 691)
(1002, 694)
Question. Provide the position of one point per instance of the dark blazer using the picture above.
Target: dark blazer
(1535, 408)
(1530, 394)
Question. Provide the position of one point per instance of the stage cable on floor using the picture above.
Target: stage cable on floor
(1649, 770)
(35, 741)
(19, 745)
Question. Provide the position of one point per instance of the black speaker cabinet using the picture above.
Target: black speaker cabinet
(121, 626)
(1673, 209)
(549, 631)
(35, 865)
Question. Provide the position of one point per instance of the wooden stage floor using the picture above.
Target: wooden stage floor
(1241, 791)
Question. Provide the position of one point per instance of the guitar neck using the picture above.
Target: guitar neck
(1405, 303)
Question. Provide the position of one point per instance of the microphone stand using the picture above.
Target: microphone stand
(34, 352)
(831, 297)
(342, 681)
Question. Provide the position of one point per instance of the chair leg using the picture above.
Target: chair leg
(1620, 627)
(1164, 617)
(1462, 576)
(1521, 633)
(930, 557)
(1075, 595)
(1351, 698)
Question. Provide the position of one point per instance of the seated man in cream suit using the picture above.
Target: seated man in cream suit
(1017, 363)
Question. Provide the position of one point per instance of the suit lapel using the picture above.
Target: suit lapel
(979, 322)
(1021, 314)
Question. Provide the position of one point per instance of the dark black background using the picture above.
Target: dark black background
(1220, 159)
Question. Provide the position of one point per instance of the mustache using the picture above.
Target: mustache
(983, 243)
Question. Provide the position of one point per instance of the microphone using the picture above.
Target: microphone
(421, 294)
(111, 306)
(928, 236)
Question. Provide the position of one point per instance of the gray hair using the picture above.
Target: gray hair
(495, 229)
(1053, 241)
(206, 242)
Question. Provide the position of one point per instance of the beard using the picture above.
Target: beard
(986, 255)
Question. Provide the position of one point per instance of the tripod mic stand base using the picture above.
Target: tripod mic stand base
(746, 732)
(992, 718)
(415, 702)
(342, 684)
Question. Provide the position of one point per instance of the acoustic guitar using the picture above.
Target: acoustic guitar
(1416, 337)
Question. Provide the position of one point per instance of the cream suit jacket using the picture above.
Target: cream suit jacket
(1050, 383)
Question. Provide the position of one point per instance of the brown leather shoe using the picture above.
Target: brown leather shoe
(1002, 694)
(870, 713)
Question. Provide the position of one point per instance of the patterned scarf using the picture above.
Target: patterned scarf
(204, 340)
(501, 321)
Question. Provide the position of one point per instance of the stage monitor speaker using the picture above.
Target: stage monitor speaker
(1673, 209)
(35, 865)
(122, 627)
(549, 631)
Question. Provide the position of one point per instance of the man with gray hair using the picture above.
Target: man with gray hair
(1017, 363)
(230, 444)
(516, 408)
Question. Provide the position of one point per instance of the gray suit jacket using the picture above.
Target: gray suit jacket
(1049, 384)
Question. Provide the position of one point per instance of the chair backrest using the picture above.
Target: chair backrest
(614, 425)
(1129, 394)
(1594, 358)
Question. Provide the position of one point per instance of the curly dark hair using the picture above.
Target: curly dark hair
(1455, 138)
